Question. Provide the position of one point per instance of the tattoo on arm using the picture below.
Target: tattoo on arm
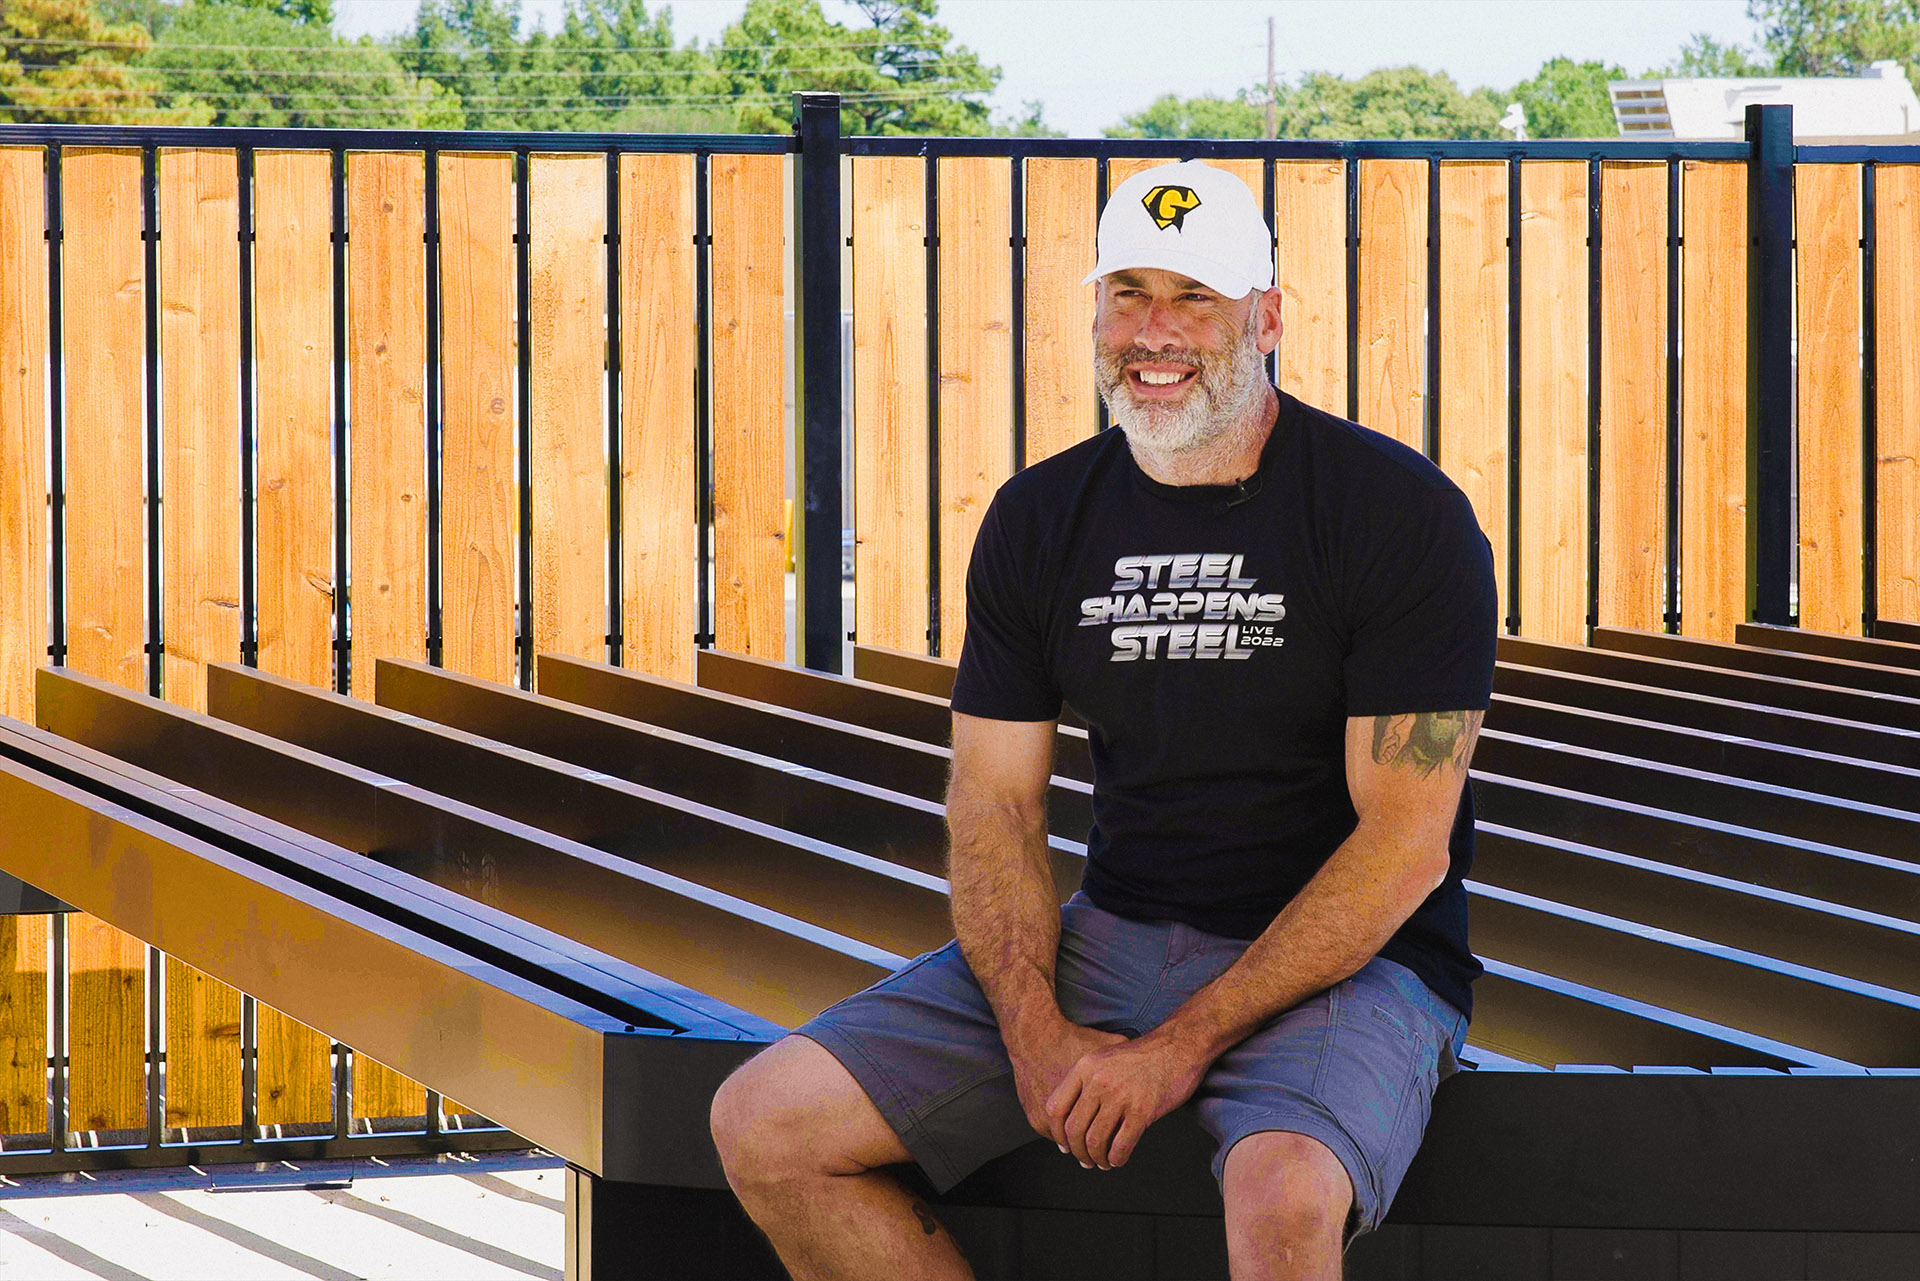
(1425, 741)
(928, 1224)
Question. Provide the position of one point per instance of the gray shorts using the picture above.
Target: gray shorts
(1354, 1067)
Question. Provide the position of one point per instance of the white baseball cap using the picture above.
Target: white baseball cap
(1191, 218)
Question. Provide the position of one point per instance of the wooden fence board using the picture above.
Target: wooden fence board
(1310, 226)
(203, 1049)
(23, 1024)
(1713, 399)
(659, 345)
(976, 366)
(103, 291)
(1633, 394)
(200, 550)
(890, 401)
(1897, 416)
(23, 429)
(568, 292)
(1393, 297)
(1473, 344)
(199, 419)
(386, 351)
(749, 388)
(104, 316)
(479, 487)
(293, 345)
(1552, 591)
(106, 1026)
(293, 1083)
(1827, 295)
(1059, 353)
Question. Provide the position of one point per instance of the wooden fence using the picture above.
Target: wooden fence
(306, 407)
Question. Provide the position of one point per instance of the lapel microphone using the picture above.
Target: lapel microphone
(1243, 492)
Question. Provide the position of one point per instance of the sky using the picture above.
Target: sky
(1093, 62)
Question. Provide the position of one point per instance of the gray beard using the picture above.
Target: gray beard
(1225, 390)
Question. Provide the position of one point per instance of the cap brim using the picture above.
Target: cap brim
(1226, 283)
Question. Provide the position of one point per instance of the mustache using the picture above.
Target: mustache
(1180, 356)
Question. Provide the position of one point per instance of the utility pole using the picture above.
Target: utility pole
(1272, 126)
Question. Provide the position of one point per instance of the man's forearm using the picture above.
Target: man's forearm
(1006, 911)
(1333, 927)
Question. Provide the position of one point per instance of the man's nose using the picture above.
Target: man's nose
(1158, 327)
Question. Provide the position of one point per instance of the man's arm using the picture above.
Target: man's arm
(1404, 773)
(1006, 908)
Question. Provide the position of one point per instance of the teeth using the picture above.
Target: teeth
(1154, 379)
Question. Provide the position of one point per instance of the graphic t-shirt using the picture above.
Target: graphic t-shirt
(1215, 639)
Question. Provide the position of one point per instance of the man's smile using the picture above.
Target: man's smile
(1156, 381)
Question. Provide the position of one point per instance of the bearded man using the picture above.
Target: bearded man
(1278, 628)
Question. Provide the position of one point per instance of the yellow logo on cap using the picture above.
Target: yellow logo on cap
(1169, 206)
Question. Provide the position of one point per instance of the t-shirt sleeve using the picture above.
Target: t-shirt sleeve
(1424, 614)
(1003, 670)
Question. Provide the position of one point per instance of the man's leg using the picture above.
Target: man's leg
(803, 1149)
(1287, 1199)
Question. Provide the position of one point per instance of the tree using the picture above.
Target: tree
(61, 63)
(1568, 99)
(1837, 37)
(903, 75)
(261, 64)
(1394, 102)
(1208, 116)
(1704, 57)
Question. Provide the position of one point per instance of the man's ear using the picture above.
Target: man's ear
(1267, 306)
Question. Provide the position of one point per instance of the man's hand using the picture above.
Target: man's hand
(1109, 1098)
(1041, 1063)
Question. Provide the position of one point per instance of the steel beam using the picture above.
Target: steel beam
(1874, 651)
(705, 939)
(1717, 682)
(881, 707)
(1899, 683)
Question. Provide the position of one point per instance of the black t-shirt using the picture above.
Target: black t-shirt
(1216, 639)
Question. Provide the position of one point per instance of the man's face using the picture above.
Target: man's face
(1177, 363)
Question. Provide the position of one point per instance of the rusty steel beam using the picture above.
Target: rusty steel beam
(763, 961)
(1877, 651)
(1717, 682)
(1895, 682)
(920, 673)
(1904, 633)
(881, 707)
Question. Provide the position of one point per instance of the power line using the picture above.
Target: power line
(520, 102)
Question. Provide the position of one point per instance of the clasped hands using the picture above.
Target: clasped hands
(1095, 1093)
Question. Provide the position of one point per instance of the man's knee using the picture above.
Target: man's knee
(1285, 1190)
(793, 1112)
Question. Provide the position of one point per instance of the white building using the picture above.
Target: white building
(1878, 104)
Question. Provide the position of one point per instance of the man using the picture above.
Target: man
(1279, 629)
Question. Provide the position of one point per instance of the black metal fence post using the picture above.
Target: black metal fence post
(816, 345)
(1770, 374)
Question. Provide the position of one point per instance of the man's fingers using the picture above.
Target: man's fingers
(1086, 1112)
(1124, 1139)
(1100, 1133)
(1059, 1104)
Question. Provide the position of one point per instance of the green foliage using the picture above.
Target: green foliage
(1208, 116)
(62, 63)
(1393, 102)
(229, 62)
(1837, 37)
(900, 75)
(1703, 57)
(1568, 99)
